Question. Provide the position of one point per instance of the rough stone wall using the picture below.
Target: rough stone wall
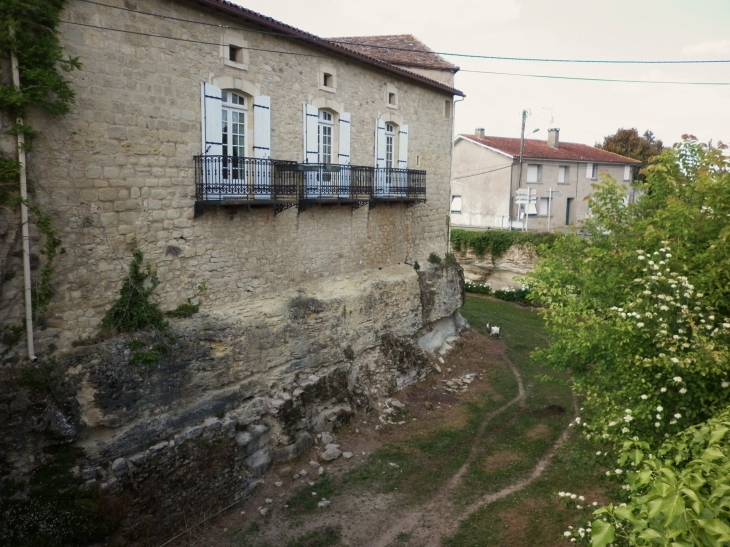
(242, 387)
(120, 167)
(498, 272)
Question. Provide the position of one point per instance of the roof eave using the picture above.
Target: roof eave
(237, 11)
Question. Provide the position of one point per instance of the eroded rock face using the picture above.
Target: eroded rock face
(500, 272)
(236, 390)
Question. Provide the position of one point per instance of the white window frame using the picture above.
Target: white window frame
(627, 173)
(229, 107)
(535, 168)
(593, 168)
(565, 170)
(390, 155)
(456, 204)
(325, 136)
(543, 206)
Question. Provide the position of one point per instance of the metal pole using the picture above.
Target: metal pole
(522, 150)
(550, 202)
(24, 218)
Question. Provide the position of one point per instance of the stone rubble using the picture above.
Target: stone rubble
(459, 384)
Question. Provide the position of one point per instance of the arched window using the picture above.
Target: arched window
(324, 136)
(390, 132)
(234, 118)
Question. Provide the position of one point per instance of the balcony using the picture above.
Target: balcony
(253, 182)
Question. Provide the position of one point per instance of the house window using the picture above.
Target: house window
(389, 144)
(391, 96)
(234, 124)
(544, 203)
(447, 109)
(563, 174)
(235, 54)
(627, 173)
(592, 171)
(534, 173)
(328, 80)
(391, 99)
(456, 204)
(324, 136)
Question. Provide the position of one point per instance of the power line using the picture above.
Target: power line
(577, 78)
(445, 53)
(456, 179)
(190, 40)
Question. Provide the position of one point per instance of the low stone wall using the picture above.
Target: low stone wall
(239, 388)
(498, 272)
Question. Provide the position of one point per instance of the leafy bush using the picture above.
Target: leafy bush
(637, 312)
(513, 295)
(134, 310)
(497, 242)
(477, 288)
(433, 258)
(188, 309)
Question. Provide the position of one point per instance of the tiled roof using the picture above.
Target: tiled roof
(541, 150)
(272, 24)
(398, 49)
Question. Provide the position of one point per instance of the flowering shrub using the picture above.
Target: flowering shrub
(477, 288)
(638, 313)
(511, 295)
(679, 495)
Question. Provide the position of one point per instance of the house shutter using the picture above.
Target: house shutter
(344, 145)
(211, 102)
(589, 170)
(627, 173)
(262, 126)
(262, 146)
(379, 143)
(311, 120)
(403, 147)
(381, 184)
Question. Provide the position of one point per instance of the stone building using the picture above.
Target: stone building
(487, 175)
(193, 127)
(285, 182)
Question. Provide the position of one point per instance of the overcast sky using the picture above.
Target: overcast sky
(574, 29)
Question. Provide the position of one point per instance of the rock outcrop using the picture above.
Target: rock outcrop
(177, 426)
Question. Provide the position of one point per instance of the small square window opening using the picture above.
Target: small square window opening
(328, 80)
(235, 54)
(391, 98)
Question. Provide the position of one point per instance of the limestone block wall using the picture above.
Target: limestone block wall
(499, 272)
(120, 166)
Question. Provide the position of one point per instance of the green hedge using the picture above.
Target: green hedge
(496, 242)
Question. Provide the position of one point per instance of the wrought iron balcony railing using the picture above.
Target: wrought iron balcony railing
(225, 180)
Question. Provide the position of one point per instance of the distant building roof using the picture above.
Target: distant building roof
(398, 49)
(229, 8)
(539, 150)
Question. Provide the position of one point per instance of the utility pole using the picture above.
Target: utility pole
(519, 169)
(24, 216)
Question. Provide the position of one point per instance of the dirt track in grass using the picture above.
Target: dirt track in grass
(415, 485)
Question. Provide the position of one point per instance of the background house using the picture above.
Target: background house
(486, 176)
(218, 138)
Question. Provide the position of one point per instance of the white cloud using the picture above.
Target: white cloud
(705, 48)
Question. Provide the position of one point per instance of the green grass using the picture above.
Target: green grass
(533, 516)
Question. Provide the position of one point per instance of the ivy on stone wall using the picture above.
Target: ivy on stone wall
(28, 29)
(498, 242)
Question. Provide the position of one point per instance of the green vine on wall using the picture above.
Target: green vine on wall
(28, 30)
(498, 242)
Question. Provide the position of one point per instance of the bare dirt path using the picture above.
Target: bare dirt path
(374, 518)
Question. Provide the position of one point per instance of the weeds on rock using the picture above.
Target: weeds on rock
(134, 310)
(433, 258)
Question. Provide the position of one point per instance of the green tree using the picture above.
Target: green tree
(638, 313)
(629, 143)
